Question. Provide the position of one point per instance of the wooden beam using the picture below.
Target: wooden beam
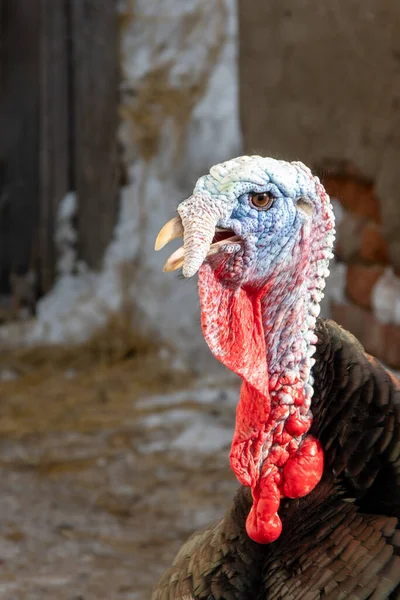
(94, 27)
(54, 130)
(19, 139)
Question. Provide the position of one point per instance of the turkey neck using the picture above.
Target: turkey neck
(289, 311)
(271, 450)
(269, 343)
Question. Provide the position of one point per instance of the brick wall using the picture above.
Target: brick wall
(371, 308)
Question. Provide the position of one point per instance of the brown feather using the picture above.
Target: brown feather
(341, 540)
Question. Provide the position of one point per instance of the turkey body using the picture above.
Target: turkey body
(340, 541)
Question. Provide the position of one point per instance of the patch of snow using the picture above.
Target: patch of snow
(8, 375)
(220, 392)
(154, 446)
(205, 427)
(386, 298)
(335, 287)
(48, 580)
(196, 520)
(338, 211)
(65, 236)
(225, 380)
(161, 400)
(170, 416)
(203, 437)
(336, 282)
(220, 396)
(7, 588)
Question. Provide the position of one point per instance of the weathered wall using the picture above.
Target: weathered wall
(369, 302)
(180, 116)
(322, 80)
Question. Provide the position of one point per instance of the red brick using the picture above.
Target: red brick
(360, 280)
(373, 247)
(357, 197)
(378, 339)
(356, 192)
(360, 240)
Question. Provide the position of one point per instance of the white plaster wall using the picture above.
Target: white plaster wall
(157, 37)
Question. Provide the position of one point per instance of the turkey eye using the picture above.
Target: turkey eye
(263, 200)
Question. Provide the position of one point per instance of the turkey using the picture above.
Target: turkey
(316, 444)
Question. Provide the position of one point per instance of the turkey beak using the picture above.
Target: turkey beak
(199, 231)
(171, 231)
(197, 221)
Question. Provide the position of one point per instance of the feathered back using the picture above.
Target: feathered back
(340, 541)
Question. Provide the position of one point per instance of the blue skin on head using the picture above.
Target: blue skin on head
(225, 198)
(268, 234)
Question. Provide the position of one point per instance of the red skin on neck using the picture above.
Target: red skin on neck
(293, 465)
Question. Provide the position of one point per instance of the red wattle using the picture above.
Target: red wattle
(304, 470)
(263, 529)
(249, 437)
(296, 426)
(263, 524)
(269, 452)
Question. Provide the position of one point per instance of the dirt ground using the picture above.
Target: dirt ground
(107, 466)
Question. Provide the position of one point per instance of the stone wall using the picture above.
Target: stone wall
(320, 82)
(370, 307)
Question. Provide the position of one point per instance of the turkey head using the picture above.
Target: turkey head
(260, 233)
